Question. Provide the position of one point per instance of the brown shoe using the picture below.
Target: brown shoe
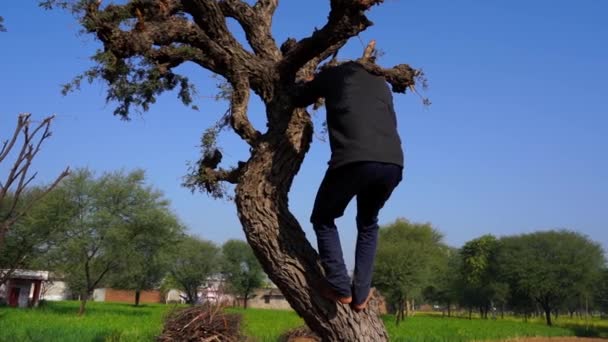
(330, 294)
(362, 306)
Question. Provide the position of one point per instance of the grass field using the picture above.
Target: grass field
(57, 321)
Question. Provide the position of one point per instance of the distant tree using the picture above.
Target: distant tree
(549, 266)
(601, 291)
(482, 284)
(445, 288)
(102, 217)
(241, 269)
(23, 146)
(155, 232)
(193, 262)
(406, 257)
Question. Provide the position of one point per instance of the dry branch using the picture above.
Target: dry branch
(18, 178)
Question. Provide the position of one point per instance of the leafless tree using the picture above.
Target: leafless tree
(23, 146)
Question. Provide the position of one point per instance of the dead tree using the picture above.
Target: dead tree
(145, 40)
(23, 146)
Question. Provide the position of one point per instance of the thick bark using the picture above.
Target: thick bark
(278, 240)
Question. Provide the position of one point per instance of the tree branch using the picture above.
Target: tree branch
(346, 20)
(18, 174)
(207, 177)
(161, 30)
(208, 15)
(239, 101)
(256, 22)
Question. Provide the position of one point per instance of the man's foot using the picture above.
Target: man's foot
(330, 294)
(362, 306)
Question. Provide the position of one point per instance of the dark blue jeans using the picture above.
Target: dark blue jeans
(372, 183)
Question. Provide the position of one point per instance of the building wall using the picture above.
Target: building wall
(126, 296)
(54, 291)
(174, 296)
(99, 295)
(266, 299)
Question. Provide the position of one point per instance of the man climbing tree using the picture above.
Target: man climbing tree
(145, 40)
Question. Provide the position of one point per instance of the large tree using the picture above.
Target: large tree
(549, 266)
(101, 218)
(242, 271)
(143, 43)
(154, 234)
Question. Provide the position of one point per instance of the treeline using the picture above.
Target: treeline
(546, 272)
(114, 230)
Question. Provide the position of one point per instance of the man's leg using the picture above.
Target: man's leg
(336, 190)
(384, 178)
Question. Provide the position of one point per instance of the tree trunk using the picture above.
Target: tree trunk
(278, 240)
(83, 303)
(449, 309)
(137, 296)
(400, 311)
(548, 316)
(245, 300)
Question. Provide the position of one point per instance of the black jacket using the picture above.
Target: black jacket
(361, 119)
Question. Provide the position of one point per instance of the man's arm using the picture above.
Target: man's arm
(309, 91)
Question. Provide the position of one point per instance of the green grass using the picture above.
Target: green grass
(58, 321)
(423, 328)
(112, 322)
(267, 325)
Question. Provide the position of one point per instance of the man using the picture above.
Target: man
(366, 163)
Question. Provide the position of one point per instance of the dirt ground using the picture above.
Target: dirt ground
(533, 339)
(556, 339)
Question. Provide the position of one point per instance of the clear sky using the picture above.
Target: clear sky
(516, 139)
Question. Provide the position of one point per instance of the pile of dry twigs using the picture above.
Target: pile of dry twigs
(203, 323)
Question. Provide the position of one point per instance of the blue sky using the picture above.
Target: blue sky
(516, 139)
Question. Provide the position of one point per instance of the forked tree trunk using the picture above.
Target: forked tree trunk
(279, 242)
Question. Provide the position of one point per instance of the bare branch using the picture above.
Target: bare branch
(22, 120)
(368, 53)
(32, 202)
(18, 179)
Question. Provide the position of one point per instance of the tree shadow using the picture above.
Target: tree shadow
(587, 331)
